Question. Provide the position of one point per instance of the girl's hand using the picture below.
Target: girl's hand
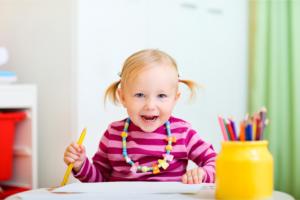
(193, 176)
(75, 154)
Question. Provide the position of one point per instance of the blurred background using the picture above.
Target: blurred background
(243, 53)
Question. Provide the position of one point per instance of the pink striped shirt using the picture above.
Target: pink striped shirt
(146, 148)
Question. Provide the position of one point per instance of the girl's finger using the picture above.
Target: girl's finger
(200, 174)
(195, 176)
(75, 150)
(68, 160)
(189, 177)
(72, 149)
(72, 156)
(81, 148)
(184, 179)
(75, 146)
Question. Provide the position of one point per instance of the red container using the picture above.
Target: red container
(8, 121)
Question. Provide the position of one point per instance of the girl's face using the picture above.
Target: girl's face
(151, 96)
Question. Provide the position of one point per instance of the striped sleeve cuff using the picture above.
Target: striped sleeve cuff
(82, 172)
(209, 174)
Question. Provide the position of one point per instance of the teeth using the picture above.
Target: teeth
(149, 117)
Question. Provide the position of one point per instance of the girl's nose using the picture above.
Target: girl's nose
(150, 104)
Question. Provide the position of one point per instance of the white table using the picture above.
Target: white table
(132, 191)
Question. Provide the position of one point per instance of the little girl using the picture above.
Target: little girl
(151, 144)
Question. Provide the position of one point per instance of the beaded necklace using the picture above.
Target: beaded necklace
(160, 163)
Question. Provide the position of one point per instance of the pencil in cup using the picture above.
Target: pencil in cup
(251, 128)
(70, 166)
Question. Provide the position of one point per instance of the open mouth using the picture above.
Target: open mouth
(149, 118)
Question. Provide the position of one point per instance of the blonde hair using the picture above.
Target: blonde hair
(137, 62)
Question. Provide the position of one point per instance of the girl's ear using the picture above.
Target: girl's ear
(121, 96)
(177, 96)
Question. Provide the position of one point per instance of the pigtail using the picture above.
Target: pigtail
(111, 93)
(193, 86)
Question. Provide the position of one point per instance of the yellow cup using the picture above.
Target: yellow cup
(244, 170)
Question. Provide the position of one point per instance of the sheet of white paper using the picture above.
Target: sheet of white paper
(134, 188)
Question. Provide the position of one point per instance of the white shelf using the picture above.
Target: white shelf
(22, 97)
(22, 151)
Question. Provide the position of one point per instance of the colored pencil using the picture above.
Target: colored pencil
(70, 166)
(229, 128)
(242, 132)
(225, 136)
(251, 128)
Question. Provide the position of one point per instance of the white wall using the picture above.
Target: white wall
(74, 49)
(38, 35)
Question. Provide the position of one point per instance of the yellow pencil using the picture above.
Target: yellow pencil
(70, 167)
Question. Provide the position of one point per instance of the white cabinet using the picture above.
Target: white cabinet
(23, 98)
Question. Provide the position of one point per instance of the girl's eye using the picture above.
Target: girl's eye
(162, 96)
(139, 95)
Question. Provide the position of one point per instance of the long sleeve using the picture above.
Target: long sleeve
(202, 154)
(100, 169)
